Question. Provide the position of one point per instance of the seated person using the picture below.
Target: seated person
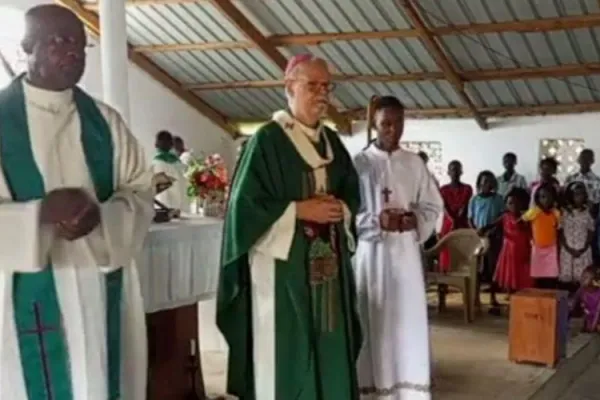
(587, 299)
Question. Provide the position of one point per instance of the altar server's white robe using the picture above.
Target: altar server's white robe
(174, 197)
(394, 363)
(79, 266)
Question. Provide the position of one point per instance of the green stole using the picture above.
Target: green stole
(166, 157)
(42, 341)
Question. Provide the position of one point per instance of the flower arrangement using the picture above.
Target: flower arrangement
(208, 179)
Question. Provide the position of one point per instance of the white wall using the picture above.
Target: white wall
(462, 139)
(153, 107)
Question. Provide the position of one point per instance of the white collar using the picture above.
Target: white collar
(312, 133)
(376, 151)
(299, 136)
(46, 99)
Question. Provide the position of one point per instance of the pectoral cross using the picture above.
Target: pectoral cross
(39, 331)
(386, 194)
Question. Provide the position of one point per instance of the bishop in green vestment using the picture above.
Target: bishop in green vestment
(286, 302)
(75, 206)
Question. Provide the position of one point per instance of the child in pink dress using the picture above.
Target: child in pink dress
(512, 272)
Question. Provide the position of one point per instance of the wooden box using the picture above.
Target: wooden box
(170, 333)
(538, 326)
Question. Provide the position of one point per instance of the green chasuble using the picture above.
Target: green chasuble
(41, 337)
(316, 329)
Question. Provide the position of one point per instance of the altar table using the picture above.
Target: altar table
(178, 267)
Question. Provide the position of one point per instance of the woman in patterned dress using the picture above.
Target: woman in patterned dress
(576, 235)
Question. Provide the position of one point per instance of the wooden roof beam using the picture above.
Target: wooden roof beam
(133, 3)
(92, 23)
(243, 24)
(440, 58)
(559, 71)
(314, 39)
(463, 112)
(266, 84)
(491, 112)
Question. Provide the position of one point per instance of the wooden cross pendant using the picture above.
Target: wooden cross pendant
(386, 194)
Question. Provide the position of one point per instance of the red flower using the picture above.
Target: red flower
(211, 179)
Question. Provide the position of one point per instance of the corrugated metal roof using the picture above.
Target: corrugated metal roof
(457, 12)
(569, 90)
(372, 57)
(246, 103)
(424, 94)
(200, 22)
(323, 16)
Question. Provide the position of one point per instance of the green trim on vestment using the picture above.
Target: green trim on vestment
(114, 294)
(167, 157)
(44, 353)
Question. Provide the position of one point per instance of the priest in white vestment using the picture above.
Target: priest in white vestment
(400, 204)
(75, 205)
(167, 162)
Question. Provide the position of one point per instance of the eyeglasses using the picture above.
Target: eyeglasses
(317, 87)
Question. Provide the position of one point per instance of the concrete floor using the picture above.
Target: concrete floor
(586, 386)
(470, 360)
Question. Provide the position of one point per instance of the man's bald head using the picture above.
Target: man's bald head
(46, 19)
(55, 44)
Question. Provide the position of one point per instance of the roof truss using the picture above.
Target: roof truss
(562, 71)
(92, 23)
(430, 36)
(541, 25)
(243, 24)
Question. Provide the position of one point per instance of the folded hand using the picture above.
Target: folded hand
(389, 219)
(408, 222)
(322, 210)
(72, 211)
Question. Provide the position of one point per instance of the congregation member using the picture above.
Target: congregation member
(485, 208)
(76, 184)
(587, 299)
(286, 298)
(510, 179)
(512, 270)
(590, 180)
(166, 161)
(400, 205)
(456, 196)
(585, 175)
(186, 156)
(548, 167)
(576, 235)
(544, 218)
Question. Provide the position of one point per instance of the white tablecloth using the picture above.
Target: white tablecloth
(179, 264)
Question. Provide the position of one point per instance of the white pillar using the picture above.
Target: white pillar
(115, 62)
